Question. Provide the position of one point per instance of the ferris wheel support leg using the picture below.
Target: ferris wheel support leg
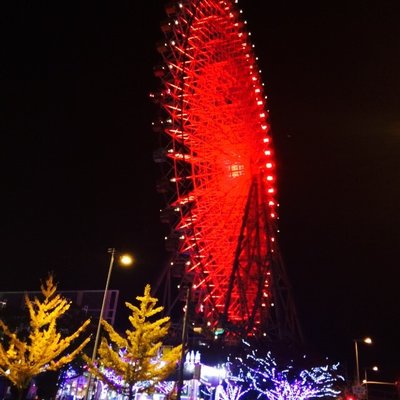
(235, 265)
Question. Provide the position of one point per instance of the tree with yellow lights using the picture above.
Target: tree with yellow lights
(136, 362)
(44, 348)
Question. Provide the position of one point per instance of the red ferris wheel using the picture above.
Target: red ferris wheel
(219, 162)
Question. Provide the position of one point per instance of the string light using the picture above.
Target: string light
(263, 376)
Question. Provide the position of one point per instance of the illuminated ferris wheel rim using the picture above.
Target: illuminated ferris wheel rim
(219, 143)
(182, 135)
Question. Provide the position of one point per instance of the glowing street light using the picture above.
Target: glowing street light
(366, 340)
(125, 260)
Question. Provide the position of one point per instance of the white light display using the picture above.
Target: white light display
(263, 376)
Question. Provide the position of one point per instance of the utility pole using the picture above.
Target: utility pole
(184, 345)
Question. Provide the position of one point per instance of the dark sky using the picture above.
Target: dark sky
(78, 177)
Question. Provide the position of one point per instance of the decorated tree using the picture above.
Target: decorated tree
(263, 376)
(43, 348)
(136, 362)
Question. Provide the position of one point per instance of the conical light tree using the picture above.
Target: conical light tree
(136, 363)
(44, 349)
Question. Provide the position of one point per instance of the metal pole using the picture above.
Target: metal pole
(357, 365)
(366, 384)
(103, 304)
(184, 340)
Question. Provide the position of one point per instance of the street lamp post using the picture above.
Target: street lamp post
(365, 381)
(366, 340)
(103, 304)
(184, 345)
(125, 260)
(374, 368)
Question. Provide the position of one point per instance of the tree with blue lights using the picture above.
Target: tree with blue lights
(263, 376)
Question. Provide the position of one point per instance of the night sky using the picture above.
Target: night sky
(78, 176)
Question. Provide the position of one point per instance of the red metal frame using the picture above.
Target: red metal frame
(222, 162)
